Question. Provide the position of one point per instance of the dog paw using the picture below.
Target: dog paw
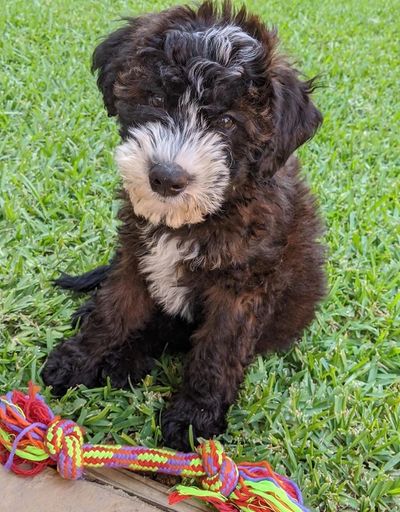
(66, 367)
(206, 421)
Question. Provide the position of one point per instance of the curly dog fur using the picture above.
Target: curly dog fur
(218, 253)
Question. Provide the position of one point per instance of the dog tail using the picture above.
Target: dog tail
(85, 282)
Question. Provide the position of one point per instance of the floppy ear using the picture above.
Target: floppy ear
(110, 58)
(295, 118)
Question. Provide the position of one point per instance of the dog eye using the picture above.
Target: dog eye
(226, 122)
(156, 101)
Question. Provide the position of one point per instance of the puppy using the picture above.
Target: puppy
(218, 251)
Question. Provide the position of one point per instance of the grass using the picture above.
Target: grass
(326, 413)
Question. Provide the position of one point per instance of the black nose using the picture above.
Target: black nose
(168, 179)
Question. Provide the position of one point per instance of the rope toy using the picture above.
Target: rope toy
(32, 437)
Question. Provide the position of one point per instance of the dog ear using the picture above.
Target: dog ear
(110, 57)
(295, 118)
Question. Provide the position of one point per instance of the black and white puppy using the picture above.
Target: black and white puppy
(217, 250)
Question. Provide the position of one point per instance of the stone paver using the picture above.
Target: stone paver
(48, 492)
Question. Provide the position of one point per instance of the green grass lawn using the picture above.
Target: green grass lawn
(327, 413)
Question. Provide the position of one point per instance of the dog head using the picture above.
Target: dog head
(205, 104)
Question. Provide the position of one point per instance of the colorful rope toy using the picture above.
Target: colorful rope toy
(31, 438)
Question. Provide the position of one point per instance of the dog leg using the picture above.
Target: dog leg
(223, 346)
(121, 306)
(129, 363)
(163, 334)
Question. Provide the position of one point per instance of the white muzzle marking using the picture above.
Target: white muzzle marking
(200, 152)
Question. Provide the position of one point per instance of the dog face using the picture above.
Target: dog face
(205, 106)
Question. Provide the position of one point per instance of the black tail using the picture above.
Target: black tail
(86, 282)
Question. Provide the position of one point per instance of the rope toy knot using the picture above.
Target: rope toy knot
(222, 472)
(64, 442)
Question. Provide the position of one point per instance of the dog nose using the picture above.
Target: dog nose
(168, 179)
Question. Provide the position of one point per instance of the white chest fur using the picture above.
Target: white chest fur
(161, 266)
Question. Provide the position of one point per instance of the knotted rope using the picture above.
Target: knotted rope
(31, 438)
